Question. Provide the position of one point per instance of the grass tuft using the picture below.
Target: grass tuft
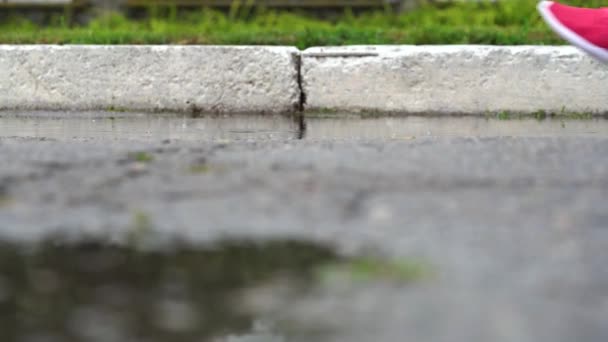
(508, 22)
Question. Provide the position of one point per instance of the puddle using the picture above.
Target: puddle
(465, 126)
(153, 127)
(98, 292)
(146, 127)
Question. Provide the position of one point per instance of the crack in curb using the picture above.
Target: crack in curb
(301, 120)
(298, 62)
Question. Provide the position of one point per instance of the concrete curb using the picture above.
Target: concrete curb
(149, 78)
(453, 79)
(380, 79)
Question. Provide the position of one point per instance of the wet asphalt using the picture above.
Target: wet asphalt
(511, 221)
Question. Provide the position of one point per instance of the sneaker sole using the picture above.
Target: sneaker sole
(569, 35)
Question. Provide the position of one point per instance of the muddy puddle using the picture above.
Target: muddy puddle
(151, 127)
(94, 291)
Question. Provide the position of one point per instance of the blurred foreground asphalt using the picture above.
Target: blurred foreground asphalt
(515, 227)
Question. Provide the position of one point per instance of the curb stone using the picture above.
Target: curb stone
(378, 80)
(464, 79)
(149, 78)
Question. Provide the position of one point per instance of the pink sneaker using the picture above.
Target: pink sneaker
(585, 28)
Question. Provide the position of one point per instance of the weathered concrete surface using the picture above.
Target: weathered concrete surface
(453, 79)
(399, 79)
(181, 78)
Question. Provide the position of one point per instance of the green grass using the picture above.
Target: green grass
(504, 115)
(508, 22)
(365, 269)
(142, 157)
(5, 200)
(201, 168)
(541, 115)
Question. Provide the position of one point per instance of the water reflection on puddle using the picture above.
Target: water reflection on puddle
(96, 292)
(152, 127)
(147, 127)
(91, 291)
(465, 126)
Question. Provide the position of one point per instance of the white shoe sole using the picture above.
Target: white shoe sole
(569, 35)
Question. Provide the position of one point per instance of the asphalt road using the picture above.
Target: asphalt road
(515, 228)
